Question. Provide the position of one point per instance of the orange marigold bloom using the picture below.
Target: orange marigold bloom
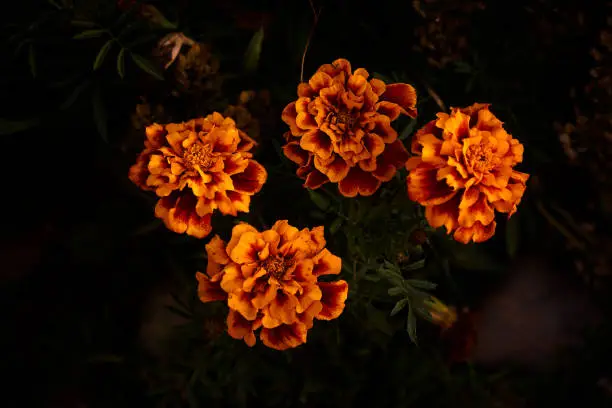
(270, 281)
(341, 129)
(464, 170)
(197, 167)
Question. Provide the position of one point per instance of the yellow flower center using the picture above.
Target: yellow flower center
(200, 156)
(276, 266)
(482, 158)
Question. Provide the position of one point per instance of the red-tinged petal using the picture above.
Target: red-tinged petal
(389, 109)
(232, 280)
(479, 212)
(235, 164)
(326, 263)
(251, 180)
(445, 214)
(216, 251)
(319, 81)
(413, 162)
(289, 116)
(246, 143)
(247, 247)
(358, 182)
(317, 142)
(237, 232)
(335, 170)
(334, 295)
(339, 66)
(295, 153)
(263, 299)
(179, 215)
(240, 201)
(139, 172)
(305, 91)
(209, 291)
(156, 135)
(284, 337)
(240, 328)
(383, 128)
(404, 95)
(315, 179)
(378, 87)
(426, 189)
(477, 233)
(283, 308)
(357, 83)
(311, 294)
(394, 157)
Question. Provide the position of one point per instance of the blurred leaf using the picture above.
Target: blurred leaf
(253, 51)
(98, 32)
(462, 67)
(415, 265)
(32, 60)
(147, 228)
(102, 54)
(99, 114)
(411, 325)
(421, 284)
(399, 306)
(179, 312)
(395, 291)
(319, 200)
(147, 66)
(121, 63)
(378, 320)
(407, 131)
(335, 226)
(9, 127)
(74, 95)
(512, 236)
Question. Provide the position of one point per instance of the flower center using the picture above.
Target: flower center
(342, 117)
(276, 266)
(200, 156)
(481, 158)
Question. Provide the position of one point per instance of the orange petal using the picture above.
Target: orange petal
(239, 201)
(311, 294)
(179, 215)
(445, 214)
(413, 162)
(425, 188)
(156, 135)
(383, 128)
(241, 302)
(358, 83)
(251, 180)
(285, 336)
(289, 116)
(451, 176)
(246, 249)
(326, 263)
(319, 81)
(304, 90)
(404, 95)
(246, 143)
(358, 182)
(481, 211)
(339, 66)
(334, 295)
(389, 109)
(317, 142)
(336, 170)
(303, 271)
(240, 328)
(287, 232)
(477, 233)
(394, 157)
(232, 280)
(209, 291)
(235, 164)
(486, 119)
(456, 127)
(237, 232)
(263, 298)
(295, 153)
(283, 308)
(139, 172)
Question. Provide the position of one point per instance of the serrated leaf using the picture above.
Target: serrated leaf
(253, 51)
(395, 291)
(32, 60)
(77, 91)
(9, 127)
(335, 226)
(121, 63)
(319, 200)
(99, 114)
(102, 54)
(420, 264)
(147, 66)
(411, 325)
(399, 306)
(421, 284)
(512, 236)
(95, 33)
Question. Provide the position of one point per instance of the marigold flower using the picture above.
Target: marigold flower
(341, 129)
(197, 167)
(270, 282)
(464, 170)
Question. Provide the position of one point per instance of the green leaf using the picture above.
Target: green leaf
(99, 114)
(121, 63)
(411, 325)
(32, 60)
(377, 319)
(421, 284)
(399, 306)
(9, 127)
(253, 51)
(179, 312)
(102, 54)
(147, 66)
(319, 200)
(512, 236)
(407, 131)
(98, 32)
(335, 226)
(78, 90)
(420, 264)
(395, 291)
